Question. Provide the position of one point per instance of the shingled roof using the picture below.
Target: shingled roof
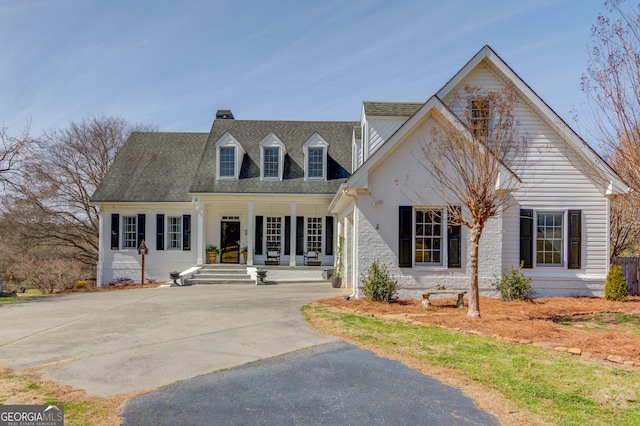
(152, 166)
(249, 133)
(391, 109)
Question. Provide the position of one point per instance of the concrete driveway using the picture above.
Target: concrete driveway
(111, 343)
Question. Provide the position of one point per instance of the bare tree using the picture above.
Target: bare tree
(468, 160)
(51, 205)
(14, 149)
(612, 86)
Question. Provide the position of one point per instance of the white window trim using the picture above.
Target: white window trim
(228, 141)
(168, 232)
(318, 142)
(272, 141)
(444, 252)
(564, 262)
(123, 232)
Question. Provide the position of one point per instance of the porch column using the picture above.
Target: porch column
(200, 236)
(340, 233)
(292, 236)
(250, 234)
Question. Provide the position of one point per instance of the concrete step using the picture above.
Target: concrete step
(220, 274)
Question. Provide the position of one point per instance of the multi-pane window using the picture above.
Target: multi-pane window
(549, 240)
(174, 233)
(129, 232)
(271, 162)
(428, 237)
(314, 234)
(315, 162)
(480, 117)
(227, 161)
(274, 233)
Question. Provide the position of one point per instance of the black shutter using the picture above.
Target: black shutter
(404, 234)
(141, 228)
(574, 237)
(160, 232)
(186, 232)
(526, 238)
(453, 245)
(299, 235)
(115, 231)
(287, 235)
(328, 249)
(258, 240)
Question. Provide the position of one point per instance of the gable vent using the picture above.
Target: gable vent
(224, 114)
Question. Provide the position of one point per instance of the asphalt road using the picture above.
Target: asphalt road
(331, 384)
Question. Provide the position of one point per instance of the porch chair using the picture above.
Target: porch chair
(273, 256)
(311, 258)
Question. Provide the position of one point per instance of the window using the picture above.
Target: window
(229, 156)
(428, 237)
(227, 162)
(272, 154)
(174, 232)
(314, 234)
(274, 233)
(480, 112)
(549, 239)
(315, 157)
(270, 165)
(129, 232)
(315, 163)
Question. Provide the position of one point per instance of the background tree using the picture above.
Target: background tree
(612, 86)
(467, 162)
(14, 149)
(49, 207)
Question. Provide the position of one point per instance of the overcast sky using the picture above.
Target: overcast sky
(174, 63)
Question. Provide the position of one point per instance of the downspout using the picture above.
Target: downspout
(354, 251)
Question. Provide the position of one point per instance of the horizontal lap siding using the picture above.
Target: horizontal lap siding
(380, 130)
(555, 178)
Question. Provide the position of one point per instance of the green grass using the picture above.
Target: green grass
(559, 388)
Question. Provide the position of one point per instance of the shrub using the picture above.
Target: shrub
(378, 285)
(47, 275)
(514, 285)
(122, 281)
(615, 286)
(81, 284)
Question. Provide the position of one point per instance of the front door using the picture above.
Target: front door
(230, 242)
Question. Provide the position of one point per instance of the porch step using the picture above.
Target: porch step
(220, 274)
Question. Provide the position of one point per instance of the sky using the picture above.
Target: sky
(173, 64)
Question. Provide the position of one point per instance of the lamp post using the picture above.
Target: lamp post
(142, 250)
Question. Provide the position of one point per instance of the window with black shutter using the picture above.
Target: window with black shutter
(115, 231)
(160, 232)
(526, 238)
(258, 235)
(405, 227)
(574, 237)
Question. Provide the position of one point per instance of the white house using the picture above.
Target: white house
(298, 187)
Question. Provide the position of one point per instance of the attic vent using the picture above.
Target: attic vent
(224, 114)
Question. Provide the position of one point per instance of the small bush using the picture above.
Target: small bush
(122, 281)
(378, 285)
(81, 284)
(615, 286)
(514, 285)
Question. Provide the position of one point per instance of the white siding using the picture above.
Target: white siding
(378, 131)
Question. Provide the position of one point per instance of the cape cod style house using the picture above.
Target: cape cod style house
(288, 191)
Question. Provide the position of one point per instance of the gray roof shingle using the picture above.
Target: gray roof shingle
(152, 166)
(391, 109)
(249, 133)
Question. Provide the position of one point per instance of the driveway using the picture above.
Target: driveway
(116, 342)
(332, 384)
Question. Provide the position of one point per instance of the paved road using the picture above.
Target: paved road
(333, 384)
(111, 343)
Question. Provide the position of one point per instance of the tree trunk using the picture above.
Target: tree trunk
(474, 300)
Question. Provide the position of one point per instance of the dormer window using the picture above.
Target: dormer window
(229, 154)
(315, 157)
(272, 152)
